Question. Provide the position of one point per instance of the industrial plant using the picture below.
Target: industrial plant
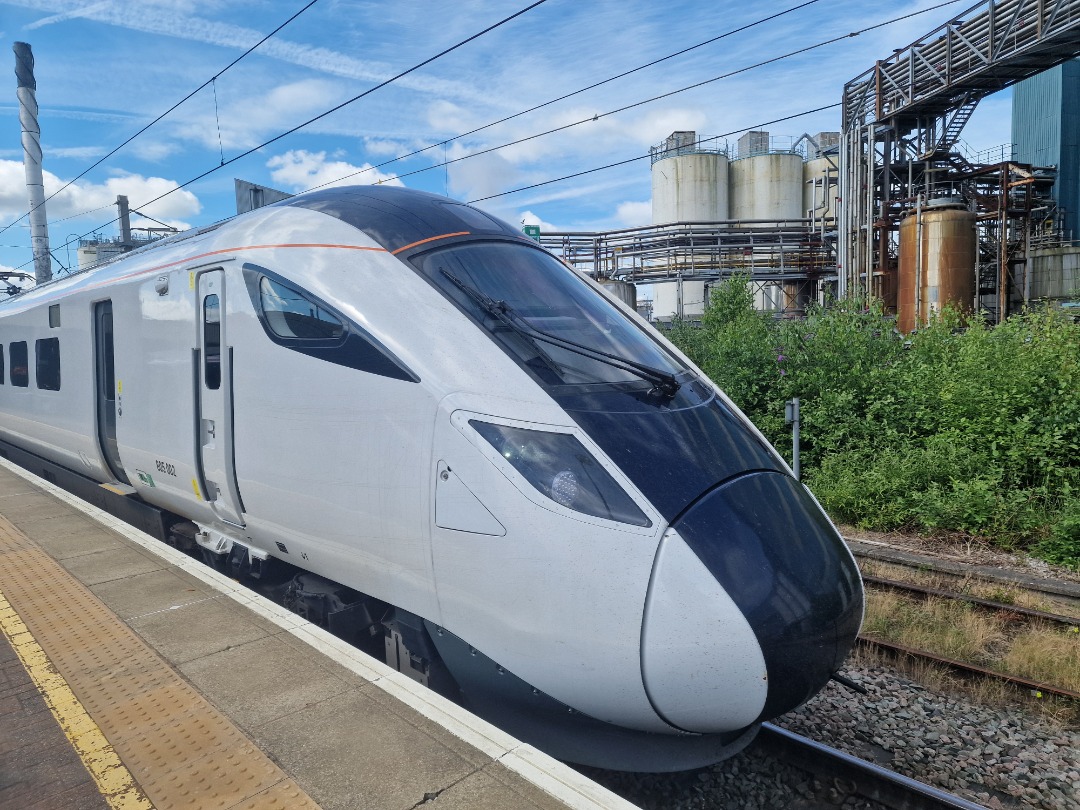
(891, 207)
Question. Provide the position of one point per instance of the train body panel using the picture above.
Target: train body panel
(580, 608)
(400, 394)
(40, 419)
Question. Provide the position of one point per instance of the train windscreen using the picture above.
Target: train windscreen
(556, 324)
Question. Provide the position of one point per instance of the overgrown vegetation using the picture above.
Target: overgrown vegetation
(960, 427)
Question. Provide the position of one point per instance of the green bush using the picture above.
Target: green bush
(958, 428)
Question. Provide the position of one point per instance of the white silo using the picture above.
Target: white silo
(767, 187)
(766, 184)
(689, 182)
(673, 299)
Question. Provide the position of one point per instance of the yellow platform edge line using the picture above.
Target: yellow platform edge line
(113, 780)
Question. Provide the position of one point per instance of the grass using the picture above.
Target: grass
(1039, 651)
(1046, 653)
(970, 586)
(942, 626)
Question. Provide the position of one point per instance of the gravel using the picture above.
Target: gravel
(1000, 758)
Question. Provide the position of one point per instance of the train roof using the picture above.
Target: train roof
(395, 217)
(398, 217)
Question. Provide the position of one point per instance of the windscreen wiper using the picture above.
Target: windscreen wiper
(664, 383)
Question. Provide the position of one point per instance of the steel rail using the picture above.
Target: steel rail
(871, 781)
(1066, 591)
(1014, 610)
(965, 669)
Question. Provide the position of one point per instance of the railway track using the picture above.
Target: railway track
(1007, 610)
(1040, 590)
(873, 782)
(1064, 595)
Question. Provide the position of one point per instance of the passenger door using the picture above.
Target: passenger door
(105, 388)
(214, 412)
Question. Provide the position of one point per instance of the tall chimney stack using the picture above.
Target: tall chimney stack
(31, 141)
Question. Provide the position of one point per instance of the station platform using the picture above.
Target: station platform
(132, 676)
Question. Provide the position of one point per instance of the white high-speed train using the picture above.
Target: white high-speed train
(531, 498)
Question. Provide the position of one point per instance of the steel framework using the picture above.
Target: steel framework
(901, 123)
(770, 253)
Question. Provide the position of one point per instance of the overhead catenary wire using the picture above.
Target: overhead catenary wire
(322, 115)
(593, 86)
(598, 116)
(589, 119)
(212, 80)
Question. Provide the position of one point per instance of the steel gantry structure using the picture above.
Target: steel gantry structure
(793, 255)
(901, 124)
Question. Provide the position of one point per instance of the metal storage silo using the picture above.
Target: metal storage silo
(1054, 273)
(689, 184)
(623, 290)
(820, 179)
(767, 187)
(667, 303)
(937, 262)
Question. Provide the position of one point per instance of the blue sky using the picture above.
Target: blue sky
(106, 68)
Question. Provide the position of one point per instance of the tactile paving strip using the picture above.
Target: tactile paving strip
(179, 748)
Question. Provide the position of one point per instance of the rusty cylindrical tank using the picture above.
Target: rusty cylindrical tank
(937, 262)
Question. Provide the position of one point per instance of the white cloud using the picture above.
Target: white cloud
(244, 121)
(74, 152)
(153, 151)
(84, 11)
(299, 170)
(529, 218)
(388, 147)
(634, 214)
(453, 119)
(174, 19)
(98, 198)
(481, 176)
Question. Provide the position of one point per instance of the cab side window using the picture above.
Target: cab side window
(300, 321)
(290, 315)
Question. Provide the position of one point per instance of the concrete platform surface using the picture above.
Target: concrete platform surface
(206, 695)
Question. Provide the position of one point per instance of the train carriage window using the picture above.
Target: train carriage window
(290, 315)
(20, 364)
(47, 354)
(2, 378)
(212, 341)
(54, 316)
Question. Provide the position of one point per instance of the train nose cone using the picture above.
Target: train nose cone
(756, 568)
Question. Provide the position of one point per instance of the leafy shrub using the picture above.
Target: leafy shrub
(960, 427)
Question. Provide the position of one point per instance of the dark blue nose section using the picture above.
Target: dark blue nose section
(778, 556)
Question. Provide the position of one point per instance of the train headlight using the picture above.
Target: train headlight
(560, 467)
